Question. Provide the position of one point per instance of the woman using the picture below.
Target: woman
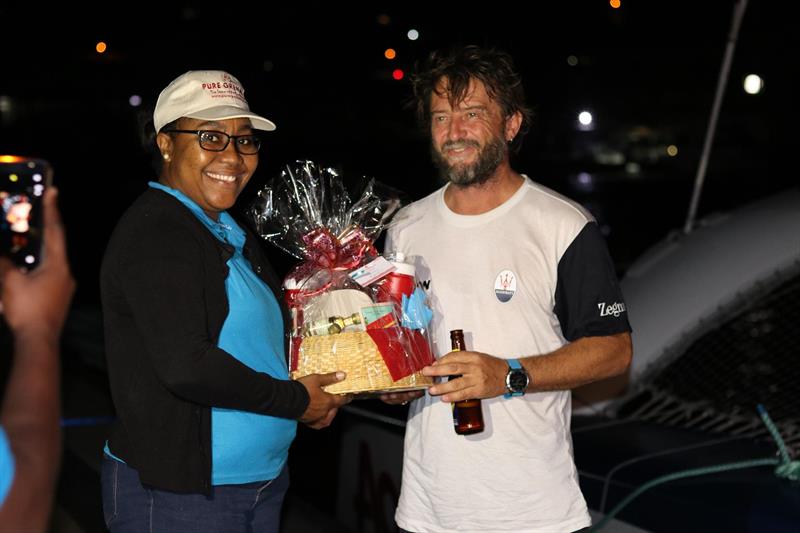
(194, 332)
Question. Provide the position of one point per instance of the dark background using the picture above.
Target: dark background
(647, 71)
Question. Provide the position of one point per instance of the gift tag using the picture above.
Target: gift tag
(372, 271)
(378, 315)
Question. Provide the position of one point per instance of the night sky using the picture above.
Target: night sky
(647, 71)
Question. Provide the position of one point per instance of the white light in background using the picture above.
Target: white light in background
(753, 84)
(135, 100)
(585, 121)
(582, 181)
(632, 168)
(413, 35)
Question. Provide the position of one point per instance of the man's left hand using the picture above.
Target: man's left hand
(480, 376)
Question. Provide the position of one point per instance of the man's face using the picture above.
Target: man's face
(467, 142)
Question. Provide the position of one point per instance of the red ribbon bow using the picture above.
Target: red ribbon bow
(324, 251)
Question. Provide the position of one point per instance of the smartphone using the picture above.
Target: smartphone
(23, 181)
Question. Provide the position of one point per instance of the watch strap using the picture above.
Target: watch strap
(513, 364)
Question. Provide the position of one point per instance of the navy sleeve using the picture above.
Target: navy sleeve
(588, 300)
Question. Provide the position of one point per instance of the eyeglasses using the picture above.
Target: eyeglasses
(217, 141)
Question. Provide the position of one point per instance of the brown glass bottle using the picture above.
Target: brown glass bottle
(467, 414)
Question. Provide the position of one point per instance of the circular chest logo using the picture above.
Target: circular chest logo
(505, 285)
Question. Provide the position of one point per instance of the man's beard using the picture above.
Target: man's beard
(477, 173)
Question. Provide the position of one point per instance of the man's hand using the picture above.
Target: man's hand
(401, 398)
(482, 376)
(322, 406)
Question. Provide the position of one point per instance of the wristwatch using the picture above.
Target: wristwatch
(516, 380)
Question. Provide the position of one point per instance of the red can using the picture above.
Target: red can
(397, 283)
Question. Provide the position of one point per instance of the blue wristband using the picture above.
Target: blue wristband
(515, 372)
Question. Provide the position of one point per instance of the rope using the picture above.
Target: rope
(680, 475)
(87, 421)
(369, 415)
(786, 468)
(607, 480)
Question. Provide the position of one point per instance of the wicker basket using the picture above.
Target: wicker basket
(356, 354)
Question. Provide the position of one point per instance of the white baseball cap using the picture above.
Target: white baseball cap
(208, 95)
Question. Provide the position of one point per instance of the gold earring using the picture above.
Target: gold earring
(165, 156)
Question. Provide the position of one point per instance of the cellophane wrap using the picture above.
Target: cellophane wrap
(374, 330)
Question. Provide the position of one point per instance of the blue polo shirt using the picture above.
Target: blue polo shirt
(6, 466)
(246, 446)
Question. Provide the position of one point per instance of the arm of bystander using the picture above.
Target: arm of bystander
(34, 306)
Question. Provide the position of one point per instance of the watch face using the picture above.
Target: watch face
(517, 380)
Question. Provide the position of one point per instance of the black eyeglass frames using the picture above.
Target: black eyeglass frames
(217, 141)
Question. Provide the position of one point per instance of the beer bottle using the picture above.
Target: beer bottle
(467, 414)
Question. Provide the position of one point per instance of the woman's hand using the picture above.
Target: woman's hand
(322, 406)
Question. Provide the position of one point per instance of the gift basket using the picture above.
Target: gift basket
(352, 309)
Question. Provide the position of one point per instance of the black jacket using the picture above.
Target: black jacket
(164, 302)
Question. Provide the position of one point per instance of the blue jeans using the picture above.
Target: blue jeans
(130, 507)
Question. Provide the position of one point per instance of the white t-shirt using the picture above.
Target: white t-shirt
(522, 279)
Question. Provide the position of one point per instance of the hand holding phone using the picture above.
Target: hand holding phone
(35, 303)
(23, 181)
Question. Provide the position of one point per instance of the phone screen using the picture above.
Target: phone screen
(22, 184)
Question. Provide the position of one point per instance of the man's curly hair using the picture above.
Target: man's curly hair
(492, 67)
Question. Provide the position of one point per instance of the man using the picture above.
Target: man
(526, 274)
(34, 305)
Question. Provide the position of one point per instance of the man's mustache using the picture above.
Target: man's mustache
(459, 144)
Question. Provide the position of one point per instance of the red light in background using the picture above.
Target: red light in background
(397, 74)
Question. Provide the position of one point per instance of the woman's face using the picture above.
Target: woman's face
(212, 179)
